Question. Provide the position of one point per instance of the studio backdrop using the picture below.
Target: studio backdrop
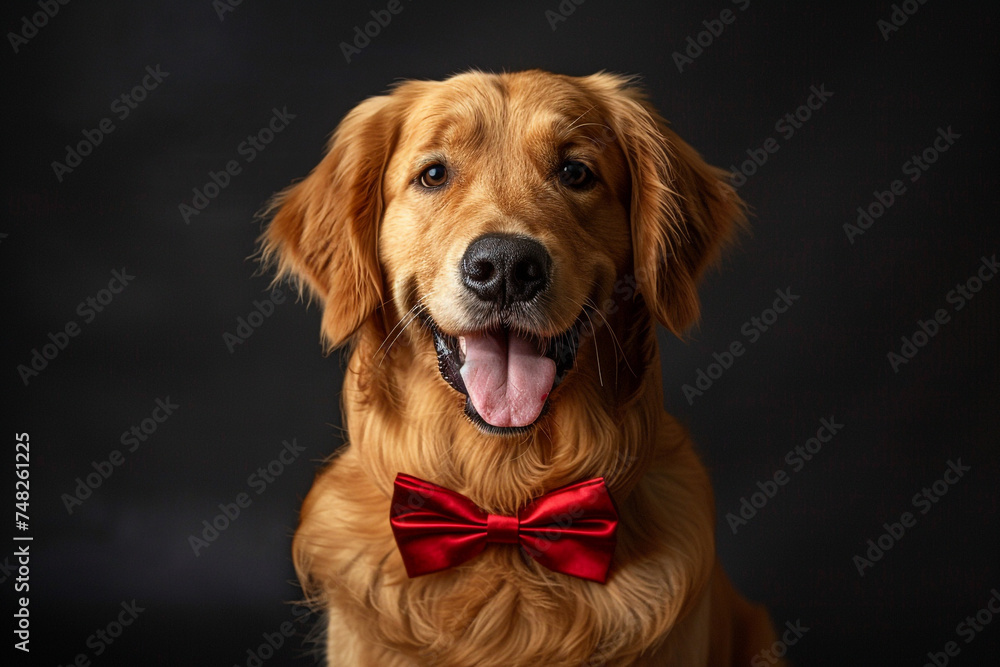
(174, 406)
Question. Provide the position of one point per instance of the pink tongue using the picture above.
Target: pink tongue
(507, 378)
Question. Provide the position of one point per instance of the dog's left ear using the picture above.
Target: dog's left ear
(324, 229)
(683, 211)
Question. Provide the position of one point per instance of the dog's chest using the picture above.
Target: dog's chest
(503, 610)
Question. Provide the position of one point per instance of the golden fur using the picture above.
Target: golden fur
(376, 251)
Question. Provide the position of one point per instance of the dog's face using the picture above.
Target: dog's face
(494, 213)
(505, 215)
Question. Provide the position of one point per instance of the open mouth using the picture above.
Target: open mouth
(506, 375)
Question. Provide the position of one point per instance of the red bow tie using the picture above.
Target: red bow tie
(569, 530)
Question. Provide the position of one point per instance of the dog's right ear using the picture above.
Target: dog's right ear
(324, 229)
(683, 211)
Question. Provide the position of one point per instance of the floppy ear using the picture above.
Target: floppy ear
(683, 211)
(324, 229)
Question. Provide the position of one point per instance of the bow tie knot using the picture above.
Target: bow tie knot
(569, 530)
(502, 529)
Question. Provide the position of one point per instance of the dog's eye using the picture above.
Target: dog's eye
(575, 174)
(434, 176)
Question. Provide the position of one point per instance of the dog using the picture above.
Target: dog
(496, 250)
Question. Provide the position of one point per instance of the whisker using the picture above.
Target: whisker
(572, 126)
(600, 377)
(417, 304)
(595, 140)
(614, 336)
(614, 347)
(393, 330)
(410, 321)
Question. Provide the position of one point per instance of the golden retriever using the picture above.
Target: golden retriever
(497, 250)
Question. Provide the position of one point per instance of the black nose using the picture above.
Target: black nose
(504, 269)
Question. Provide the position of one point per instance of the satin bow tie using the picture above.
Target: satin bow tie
(569, 530)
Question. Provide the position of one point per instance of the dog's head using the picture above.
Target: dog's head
(491, 216)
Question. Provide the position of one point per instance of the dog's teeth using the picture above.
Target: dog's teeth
(461, 345)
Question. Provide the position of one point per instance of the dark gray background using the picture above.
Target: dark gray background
(162, 336)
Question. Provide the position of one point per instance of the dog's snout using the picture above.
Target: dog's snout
(504, 269)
